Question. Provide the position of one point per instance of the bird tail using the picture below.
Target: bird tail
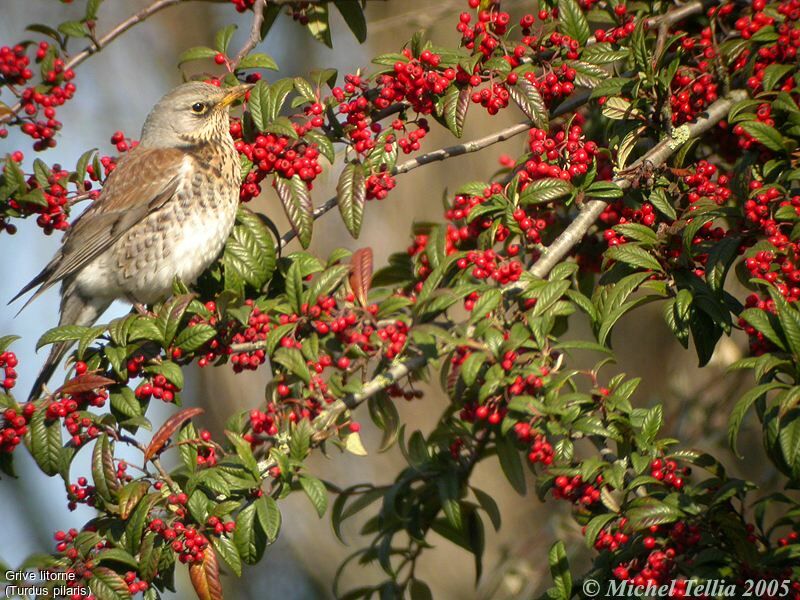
(75, 310)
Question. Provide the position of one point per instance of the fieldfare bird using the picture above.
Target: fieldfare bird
(164, 211)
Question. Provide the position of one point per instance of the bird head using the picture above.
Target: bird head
(190, 114)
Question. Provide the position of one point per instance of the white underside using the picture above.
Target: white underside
(192, 248)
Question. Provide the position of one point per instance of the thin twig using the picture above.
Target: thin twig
(255, 34)
(331, 414)
(100, 43)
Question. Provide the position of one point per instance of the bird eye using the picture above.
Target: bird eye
(198, 108)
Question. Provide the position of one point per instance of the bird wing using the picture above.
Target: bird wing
(142, 182)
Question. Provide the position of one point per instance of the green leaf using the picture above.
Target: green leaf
(511, 463)
(324, 145)
(315, 490)
(250, 255)
(634, 256)
(257, 60)
(488, 301)
(603, 53)
(774, 73)
(44, 442)
(296, 202)
(108, 585)
(65, 333)
(603, 190)
(652, 424)
(742, 406)
(196, 53)
(652, 512)
(789, 318)
(318, 23)
(489, 506)
(223, 38)
(257, 104)
(92, 6)
(248, 537)
(192, 338)
(353, 15)
(559, 569)
(103, 469)
(281, 126)
(572, 21)
(294, 287)
(544, 190)
(764, 134)
(6, 341)
(658, 198)
(269, 515)
(292, 359)
(351, 192)
(76, 29)
(619, 109)
(225, 548)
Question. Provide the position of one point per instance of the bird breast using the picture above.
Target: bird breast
(182, 238)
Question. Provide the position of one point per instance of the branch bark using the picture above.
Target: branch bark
(255, 33)
(656, 157)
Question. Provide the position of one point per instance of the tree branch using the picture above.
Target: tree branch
(395, 373)
(656, 157)
(255, 34)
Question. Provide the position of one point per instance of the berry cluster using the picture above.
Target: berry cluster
(668, 472)
(80, 493)
(540, 450)
(575, 490)
(419, 82)
(562, 155)
(13, 426)
(157, 386)
(279, 154)
(8, 362)
(14, 65)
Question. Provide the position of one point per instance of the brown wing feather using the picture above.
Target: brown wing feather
(143, 181)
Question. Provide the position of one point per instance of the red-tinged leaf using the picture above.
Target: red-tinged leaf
(104, 471)
(361, 273)
(168, 429)
(130, 496)
(84, 383)
(108, 585)
(528, 98)
(205, 577)
(456, 103)
(297, 204)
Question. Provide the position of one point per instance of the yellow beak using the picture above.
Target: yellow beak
(234, 93)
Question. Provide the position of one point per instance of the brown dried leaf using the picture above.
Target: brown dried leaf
(168, 429)
(205, 577)
(84, 383)
(361, 273)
